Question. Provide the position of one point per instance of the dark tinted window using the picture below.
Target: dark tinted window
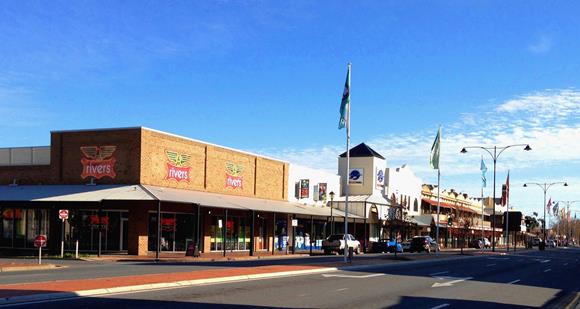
(336, 237)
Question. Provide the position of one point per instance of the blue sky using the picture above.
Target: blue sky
(267, 77)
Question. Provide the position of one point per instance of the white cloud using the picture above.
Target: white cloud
(542, 45)
(547, 120)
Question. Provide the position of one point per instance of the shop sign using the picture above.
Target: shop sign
(10, 213)
(234, 176)
(178, 168)
(380, 178)
(294, 222)
(356, 176)
(98, 161)
(168, 224)
(322, 191)
(304, 188)
(94, 219)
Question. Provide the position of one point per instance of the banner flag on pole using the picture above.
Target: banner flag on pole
(549, 205)
(435, 150)
(505, 193)
(483, 170)
(555, 208)
(345, 101)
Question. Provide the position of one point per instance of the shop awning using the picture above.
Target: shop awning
(98, 193)
(239, 202)
(72, 193)
(422, 220)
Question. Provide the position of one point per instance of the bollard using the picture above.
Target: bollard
(350, 252)
(77, 249)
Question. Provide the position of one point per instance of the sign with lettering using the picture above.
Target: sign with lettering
(234, 178)
(304, 188)
(356, 176)
(98, 161)
(380, 178)
(178, 168)
(322, 191)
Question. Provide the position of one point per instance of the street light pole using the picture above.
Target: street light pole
(331, 216)
(494, 156)
(545, 186)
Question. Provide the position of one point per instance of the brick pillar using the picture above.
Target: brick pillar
(138, 237)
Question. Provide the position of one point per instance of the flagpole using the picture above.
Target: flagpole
(482, 218)
(438, 206)
(507, 203)
(347, 171)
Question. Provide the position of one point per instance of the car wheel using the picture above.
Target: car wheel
(326, 251)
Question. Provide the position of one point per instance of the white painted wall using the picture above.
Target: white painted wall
(403, 182)
(370, 166)
(297, 172)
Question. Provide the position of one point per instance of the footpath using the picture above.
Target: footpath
(50, 290)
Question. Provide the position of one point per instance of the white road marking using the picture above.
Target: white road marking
(515, 281)
(498, 258)
(488, 265)
(439, 273)
(440, 306)
(565, 264)
(547, 270)
(449, 283)
(352, 276)
(343, 289)
(544, 261)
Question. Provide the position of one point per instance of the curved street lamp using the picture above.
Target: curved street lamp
(494, 155)
(545, 186)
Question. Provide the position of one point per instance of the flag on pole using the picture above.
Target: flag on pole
(435, 149)
(483, 170)
(505, 191)
(345, 101)
(555, 208)
(549, 205)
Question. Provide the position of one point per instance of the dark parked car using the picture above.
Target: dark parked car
(385, 245)
(423, 243)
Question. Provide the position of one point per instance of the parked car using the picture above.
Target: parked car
(476, 243)
(335, 243)
(406, 245)
(551, 243)
(423, 243)
(536, 241)
(385, 245)
(480, 243)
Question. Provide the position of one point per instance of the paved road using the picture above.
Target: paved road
(521, 280)
(91, 270)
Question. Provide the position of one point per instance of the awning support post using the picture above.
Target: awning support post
(100, 214)
(157, 252)
(198, 232)
(252, 238)
(273, 233)
(311, 232)
(225, 231)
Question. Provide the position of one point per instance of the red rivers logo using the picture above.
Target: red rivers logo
(98, 161)
(177, 168)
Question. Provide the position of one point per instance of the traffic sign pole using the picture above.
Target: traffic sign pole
(62, 240)
(39, 255)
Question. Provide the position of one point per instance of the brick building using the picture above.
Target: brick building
(140, 191)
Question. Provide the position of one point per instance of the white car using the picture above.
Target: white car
(335, 243)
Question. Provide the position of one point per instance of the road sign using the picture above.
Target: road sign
(40, 241)
(63, 214)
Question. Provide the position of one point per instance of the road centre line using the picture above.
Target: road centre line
(343, 289)
(439, 273)
(565, 264)
(488, 265)
(515, 281)
(440, 306)
(547, 270)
